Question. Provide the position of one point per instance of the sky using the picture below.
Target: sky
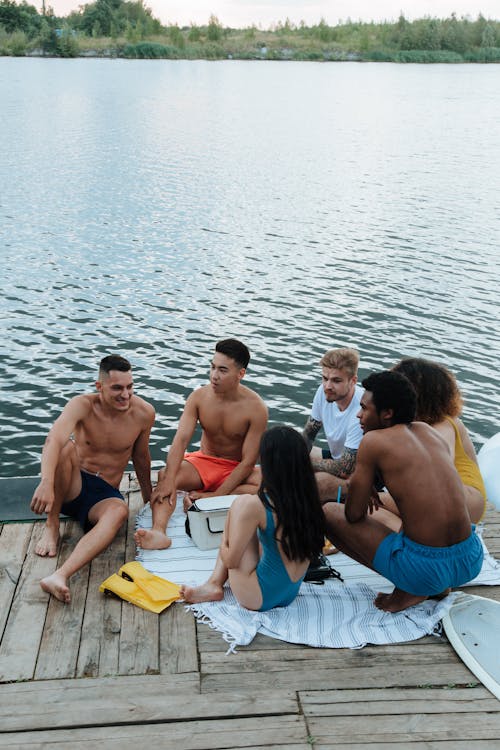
(242, 13)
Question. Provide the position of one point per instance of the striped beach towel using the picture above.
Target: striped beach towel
(335, 615)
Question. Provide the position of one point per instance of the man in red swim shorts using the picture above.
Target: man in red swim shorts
(232, 418)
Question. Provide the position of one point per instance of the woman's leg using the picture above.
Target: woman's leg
(243, 579)
(475, 503)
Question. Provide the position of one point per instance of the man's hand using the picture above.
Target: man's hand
(374, 502)
(43, 498)
(164, 492)
(190, 497)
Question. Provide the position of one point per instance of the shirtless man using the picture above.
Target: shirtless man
(335, 409)
(233, 419)
(81, 476)
(436, 548)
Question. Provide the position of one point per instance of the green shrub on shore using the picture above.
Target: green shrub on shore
(150, 51)
(427, 56)
(483, 55)
(15, 44)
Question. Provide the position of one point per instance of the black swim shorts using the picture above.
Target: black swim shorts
(94, 489)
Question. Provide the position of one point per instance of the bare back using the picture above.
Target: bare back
(105, 442)
(226, 422)
(418, 471)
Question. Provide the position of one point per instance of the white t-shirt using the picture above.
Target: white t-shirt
(342, 428)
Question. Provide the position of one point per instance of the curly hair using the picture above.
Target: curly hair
(438, 395)
(391, 390)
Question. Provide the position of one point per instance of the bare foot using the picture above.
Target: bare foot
(442, 595)
(56, 584)
(207, 592)
(47, 546)
(151, 539)
(397, 600)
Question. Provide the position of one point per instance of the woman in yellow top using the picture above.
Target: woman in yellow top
(439, 403)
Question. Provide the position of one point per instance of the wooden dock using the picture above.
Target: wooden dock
(103, 673)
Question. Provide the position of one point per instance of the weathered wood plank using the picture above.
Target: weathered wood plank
(135, 705)
(397, 701)
(24, 628)
(166, 684)
(100, 637)
(178, 647)
(211, 640)
(410, 727)
(314, 677)
(406, 654)
(263, 731)
(63, 625)
(14, 542)
(140, 630)
(332, 744)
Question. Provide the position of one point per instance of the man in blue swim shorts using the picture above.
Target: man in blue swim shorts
(437, 547)
(83, 460)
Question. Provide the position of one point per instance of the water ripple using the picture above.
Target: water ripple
(151, 209)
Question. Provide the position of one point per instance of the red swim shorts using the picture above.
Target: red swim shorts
(212, 470)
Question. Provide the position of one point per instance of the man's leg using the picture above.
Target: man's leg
(243, 579)
(360, 541)
(328, 486)
(156, 537)
(107, 516)
(67, 485)
(251, 484)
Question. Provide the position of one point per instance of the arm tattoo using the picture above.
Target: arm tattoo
(340, 467)
(311, 429)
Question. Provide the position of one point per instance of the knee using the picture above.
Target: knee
(68, 455)
(118, 512)
(334, 515)
(327, 485)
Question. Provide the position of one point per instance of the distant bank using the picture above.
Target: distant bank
(129, 30)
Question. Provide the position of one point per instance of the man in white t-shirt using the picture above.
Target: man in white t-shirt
(335, 408)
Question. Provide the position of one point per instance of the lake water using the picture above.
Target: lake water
(150, 208)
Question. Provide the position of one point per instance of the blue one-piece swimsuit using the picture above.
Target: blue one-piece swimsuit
(277, 588)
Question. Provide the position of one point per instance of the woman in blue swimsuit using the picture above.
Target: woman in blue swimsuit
(270, 538)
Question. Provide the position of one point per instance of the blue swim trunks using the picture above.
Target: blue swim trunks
(94, 489)
(426, 571)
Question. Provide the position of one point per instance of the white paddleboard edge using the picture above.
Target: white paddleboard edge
(463, 652)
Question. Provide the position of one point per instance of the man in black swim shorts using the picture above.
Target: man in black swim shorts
(83, 460)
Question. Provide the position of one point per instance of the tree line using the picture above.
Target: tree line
(128, 28)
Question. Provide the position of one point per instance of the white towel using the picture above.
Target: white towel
(335, 615)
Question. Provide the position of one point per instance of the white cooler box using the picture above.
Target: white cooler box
(207, 517)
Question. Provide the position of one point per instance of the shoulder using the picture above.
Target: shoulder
(82, 404)
(144, 409)
(198, 397)
(248, 506)
(319, 394)
(376, 443)
(199, 394)
(252, 398)
(358, 392)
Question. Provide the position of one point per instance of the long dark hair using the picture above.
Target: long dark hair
(289, 488)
